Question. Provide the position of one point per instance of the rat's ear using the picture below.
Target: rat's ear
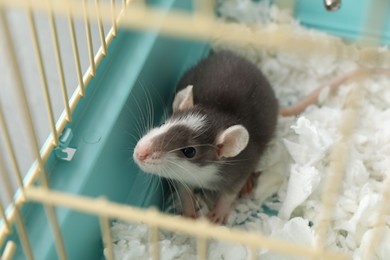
(183, 99)
(232, 141)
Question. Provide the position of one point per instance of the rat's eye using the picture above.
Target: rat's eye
(189, 152)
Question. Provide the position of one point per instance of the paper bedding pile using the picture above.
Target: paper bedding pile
(295, 166)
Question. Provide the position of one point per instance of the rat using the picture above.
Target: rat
(224, 116)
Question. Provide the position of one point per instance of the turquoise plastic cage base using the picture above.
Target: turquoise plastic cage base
(352, 20)
(107, 121)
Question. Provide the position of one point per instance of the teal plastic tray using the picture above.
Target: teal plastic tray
(354, 18)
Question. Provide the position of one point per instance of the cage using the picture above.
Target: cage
(122, 60)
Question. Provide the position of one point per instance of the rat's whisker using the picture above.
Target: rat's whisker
(187, 171)
(181, 182)
(149, 103)
(138, 123)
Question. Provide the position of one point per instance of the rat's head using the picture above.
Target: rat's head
(189, 147)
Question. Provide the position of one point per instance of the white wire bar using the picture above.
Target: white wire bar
(338, 161)
(76, 53)
(5, 177)
(3, 235)
(72, 104)
(207, 28)
(252, 251)
(157, 219)
(89, 39)
(383, 213)
(60, 68)
(3, 217)
(114, 17)
(106, 236)
(286, 4)
(101, 28)
(42, 73)
(64, 119)
(11, 151)
(375, 22)
(9, 251)
(201, 243)
(154, 247)
(22, 232)
(205, 7)
(31, 131)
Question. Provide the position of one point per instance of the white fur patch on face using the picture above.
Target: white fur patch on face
(193, 121)
(169, 165)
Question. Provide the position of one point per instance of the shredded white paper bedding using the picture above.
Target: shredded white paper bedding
(294, 169)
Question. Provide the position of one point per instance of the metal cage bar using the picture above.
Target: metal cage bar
(154, 247)
(156, 219)
(252, 251)
(114, 18)
(204, 27)
(374, 23)
(383, 211)
(76, 53)
(23, 236)
(201, 243)
(101, 28)
(60, 68)
(11, 151)
(3, 217)
(31, 132)
(338, 160)
(205, 7)
(106, 236)
(42, 73)
(89, 39)
(9, 251)
(64, 119)
(22, 232)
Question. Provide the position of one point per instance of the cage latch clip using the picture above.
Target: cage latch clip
(63, 151)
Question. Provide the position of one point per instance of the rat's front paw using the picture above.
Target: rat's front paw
(218, 217)
(222, 208)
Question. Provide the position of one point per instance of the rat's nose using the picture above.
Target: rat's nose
(142, 152)
(142, 155)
